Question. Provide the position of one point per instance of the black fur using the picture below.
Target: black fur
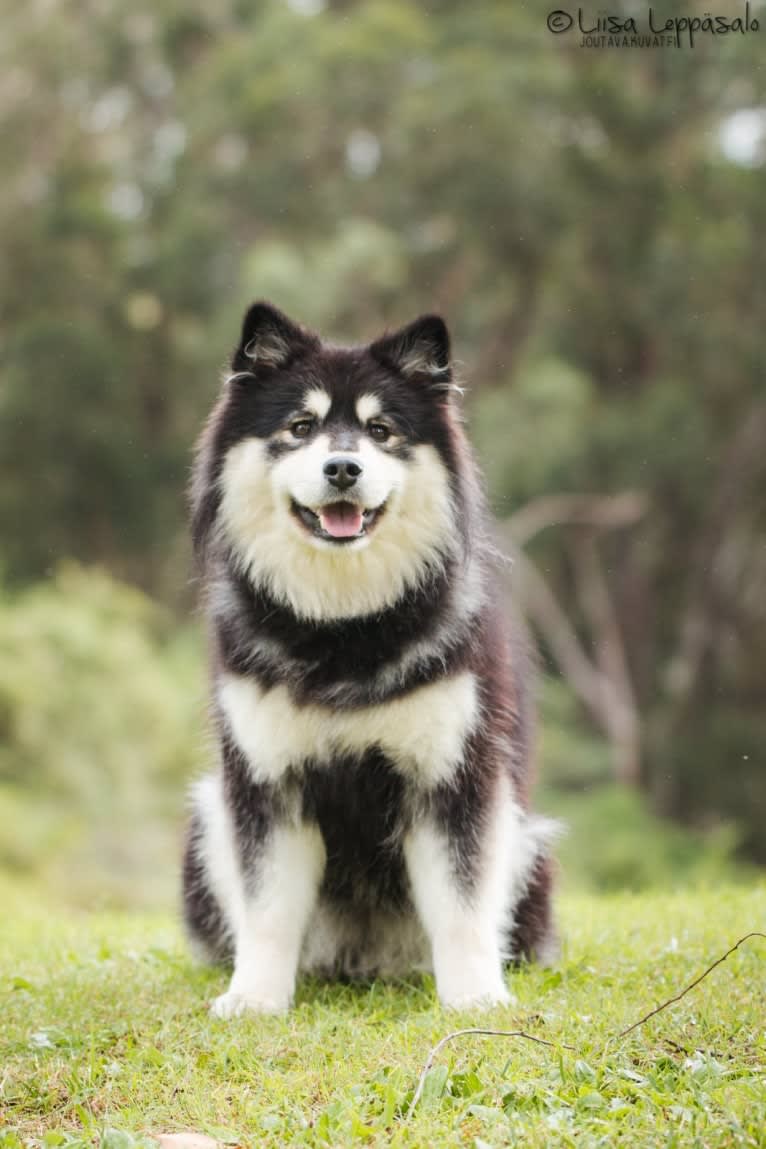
(203, 916)
(364, 869)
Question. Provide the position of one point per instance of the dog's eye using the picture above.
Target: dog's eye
(301, 428)
(379, 431)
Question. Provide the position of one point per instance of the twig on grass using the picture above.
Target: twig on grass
(562, 1044)
(484, 1033)
(690, 986)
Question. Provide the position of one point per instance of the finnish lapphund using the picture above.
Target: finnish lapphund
(369, 813)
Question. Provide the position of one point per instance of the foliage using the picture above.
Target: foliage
(612, 841)
(106, 1037)
(101, 716)
(610, 838)
(597, 250)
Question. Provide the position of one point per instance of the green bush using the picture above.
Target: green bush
(613, 841)
(101, 723)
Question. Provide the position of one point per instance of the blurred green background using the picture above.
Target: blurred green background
(592, 223)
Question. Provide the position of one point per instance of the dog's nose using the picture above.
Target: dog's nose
(342, 473)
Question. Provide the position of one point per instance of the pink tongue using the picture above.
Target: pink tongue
(341, 520)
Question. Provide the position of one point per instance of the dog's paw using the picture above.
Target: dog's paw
(232, 1004)
(471, 998)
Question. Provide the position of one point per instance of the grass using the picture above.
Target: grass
(105, 1039)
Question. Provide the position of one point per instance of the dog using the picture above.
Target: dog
(370, 811)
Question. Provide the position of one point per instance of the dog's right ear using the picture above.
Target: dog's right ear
(269, 339)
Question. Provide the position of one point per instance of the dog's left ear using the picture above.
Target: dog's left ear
(269, 338)
(421, 349)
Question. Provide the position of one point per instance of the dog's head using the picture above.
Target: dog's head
(330, 473)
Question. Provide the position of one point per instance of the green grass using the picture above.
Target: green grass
(106, 1037)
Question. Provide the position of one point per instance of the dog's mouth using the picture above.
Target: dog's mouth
(340, 522)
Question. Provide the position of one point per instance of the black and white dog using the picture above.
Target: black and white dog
(370, 813)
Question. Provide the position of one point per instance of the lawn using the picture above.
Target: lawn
(106, 1040)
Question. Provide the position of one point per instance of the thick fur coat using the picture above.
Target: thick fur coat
(370, 809)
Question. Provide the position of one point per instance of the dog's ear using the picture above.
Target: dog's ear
(268, 339)
(421, 349)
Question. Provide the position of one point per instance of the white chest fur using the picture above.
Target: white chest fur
(422, 732)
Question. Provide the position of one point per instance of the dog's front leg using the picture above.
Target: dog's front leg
(460, 866)
(272, 912)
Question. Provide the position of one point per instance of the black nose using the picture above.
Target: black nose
(342, 473)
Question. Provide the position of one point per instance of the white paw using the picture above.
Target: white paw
(233, 1004)
(473, 998)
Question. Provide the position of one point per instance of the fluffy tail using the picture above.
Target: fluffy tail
(533, 934)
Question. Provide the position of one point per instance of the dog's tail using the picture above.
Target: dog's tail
(533, 933)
